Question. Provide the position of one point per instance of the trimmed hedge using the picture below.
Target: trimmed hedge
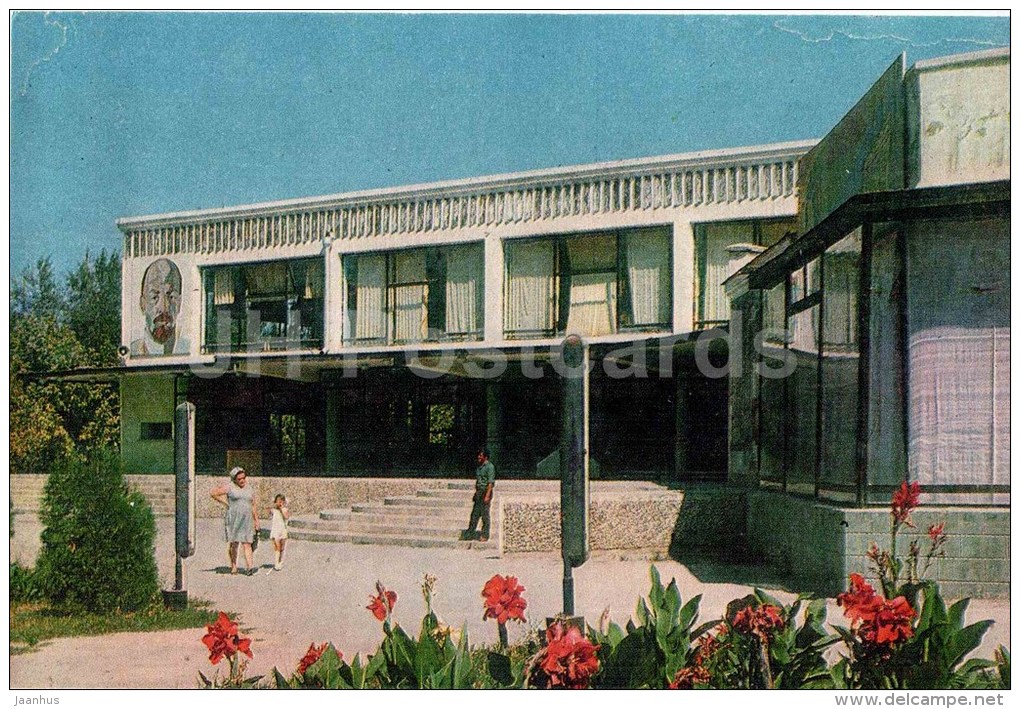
(99, 539)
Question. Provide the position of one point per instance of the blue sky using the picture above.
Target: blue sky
(120, 114)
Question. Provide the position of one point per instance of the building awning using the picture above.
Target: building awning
(953, 201)
(102, 375)
(649, 352)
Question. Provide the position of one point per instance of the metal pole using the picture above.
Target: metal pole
(568, 587)
(573, 464)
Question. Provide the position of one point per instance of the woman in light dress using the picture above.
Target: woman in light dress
(241, 521)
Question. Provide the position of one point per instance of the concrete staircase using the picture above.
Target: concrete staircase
(431, 518)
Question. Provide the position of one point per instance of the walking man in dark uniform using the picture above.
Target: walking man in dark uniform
(485, 479)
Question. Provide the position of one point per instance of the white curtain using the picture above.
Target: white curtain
(717, 258)
(592, 304)
(410, 296)
(370, 317)
(592, 295)
(314, 280)
(959, 358)
(774, 315)
(267, 279)
(463, 289)
(223, 288)
(648, 273)
(531, 286)
(804, 331)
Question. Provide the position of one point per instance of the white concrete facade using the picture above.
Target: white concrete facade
(678, 192)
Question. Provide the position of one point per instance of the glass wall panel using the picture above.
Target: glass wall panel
(887, 459)
(958, 293)
(530, 305)
(646, 295)
(773, 401)
(840, 361)
(592, 279)
(413, 295)
(276, 305)
(802, 402)
(589, 284)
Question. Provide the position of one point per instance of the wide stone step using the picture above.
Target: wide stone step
(446, 494)
(412, 520)
(406, 501)
(390, 540)
(448, 532)
(391, 511)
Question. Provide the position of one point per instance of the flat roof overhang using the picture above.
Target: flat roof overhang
(942, 202)
(651, 355)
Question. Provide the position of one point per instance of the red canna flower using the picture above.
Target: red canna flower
(708, 645)
(690, 677)
(858, 602)
(892, 622)
(876, 620)
(382, 605)
(761, 622)
(503, 599)
(568, 660)
(904, 501)
(223, 640)
(312, 656)
(937, 533)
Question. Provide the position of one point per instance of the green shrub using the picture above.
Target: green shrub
(24, 584)
(98, 542)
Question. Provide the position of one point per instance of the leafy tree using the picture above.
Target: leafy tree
(38, 434)
(36, 292)
(93, 306)
(48, 419)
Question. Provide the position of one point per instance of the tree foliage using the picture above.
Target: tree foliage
(54, 327)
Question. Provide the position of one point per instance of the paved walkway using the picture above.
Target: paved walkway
(322, 592)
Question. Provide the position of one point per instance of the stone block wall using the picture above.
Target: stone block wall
(976, 561)
(305, 495)
(310, 495)
(819, 545)
(640, 522)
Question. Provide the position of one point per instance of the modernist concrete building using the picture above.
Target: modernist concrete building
(893, 301)
(388, 333)
(355, 334)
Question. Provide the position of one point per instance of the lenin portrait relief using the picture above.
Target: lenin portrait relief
(160, 303)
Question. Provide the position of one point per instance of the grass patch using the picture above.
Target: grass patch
(32, 623)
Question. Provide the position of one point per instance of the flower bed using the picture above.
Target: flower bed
(899, 635)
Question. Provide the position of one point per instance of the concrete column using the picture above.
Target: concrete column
(334, 452)
(683, 277)
(334, 301)
(494, 422)
(493, 289)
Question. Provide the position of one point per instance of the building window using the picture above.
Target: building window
(161, 431)
(276, 305)
(415, 295)
(809, 420)
(442, 423)
(589, 284)
(712, 253)
(288, 436)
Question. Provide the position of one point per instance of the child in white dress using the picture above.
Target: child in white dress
(278, 530)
